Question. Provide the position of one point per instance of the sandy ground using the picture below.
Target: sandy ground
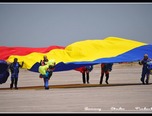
(124, 93)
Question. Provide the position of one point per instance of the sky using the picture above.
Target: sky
(47, 24)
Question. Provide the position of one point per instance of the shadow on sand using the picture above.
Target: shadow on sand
(74, 86)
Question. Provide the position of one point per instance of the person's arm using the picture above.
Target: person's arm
(91, 67)
(52, 67)
(40, 62)
(110, 66)
(11, 67)
(21, 64)
(140, 62)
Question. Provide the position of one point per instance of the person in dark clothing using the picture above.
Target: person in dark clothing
(105, 69)
(85, 73)
(145, 70)
(43, 62)
(85, 70)
(14, 68)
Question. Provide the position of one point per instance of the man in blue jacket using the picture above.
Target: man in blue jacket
(14, 67)
(145, 70)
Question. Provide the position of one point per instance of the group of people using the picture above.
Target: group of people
(105, 69)
(46, 69)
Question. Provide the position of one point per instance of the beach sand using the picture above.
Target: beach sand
(124, 94)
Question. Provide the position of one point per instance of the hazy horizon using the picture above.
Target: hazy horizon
(42, 25)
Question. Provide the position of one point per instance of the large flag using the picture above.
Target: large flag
(86, 52)
(4, 73)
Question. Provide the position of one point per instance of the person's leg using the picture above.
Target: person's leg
(46, 83)
(83, 78)
(107, 77)
(16, 80)
(12, 82)
(101, 78)
(147, 77)
(87, 77)
(143, 76)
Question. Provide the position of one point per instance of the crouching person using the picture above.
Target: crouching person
(46, 72)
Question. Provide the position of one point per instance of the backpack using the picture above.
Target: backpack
(89, 68)
(149, 66)
(108, 66)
